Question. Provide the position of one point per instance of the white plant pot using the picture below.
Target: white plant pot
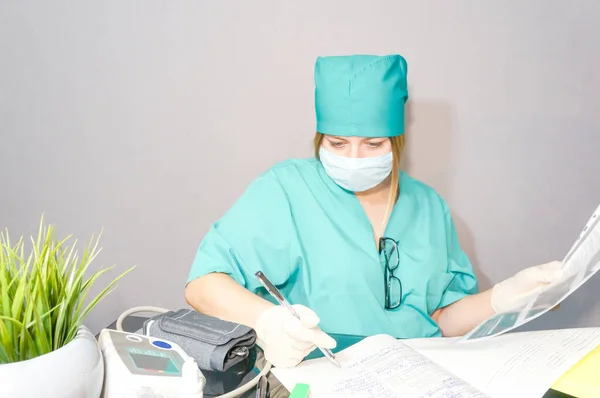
(73, 371)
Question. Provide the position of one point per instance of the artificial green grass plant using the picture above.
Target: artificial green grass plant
(43, 293)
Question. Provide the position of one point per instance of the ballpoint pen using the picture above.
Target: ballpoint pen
(273, 291)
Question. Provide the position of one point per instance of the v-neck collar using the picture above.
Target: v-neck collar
(349, 199)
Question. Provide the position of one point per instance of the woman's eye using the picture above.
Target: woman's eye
(374, 144)
(336, 144)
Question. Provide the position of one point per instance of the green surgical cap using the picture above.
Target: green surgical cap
(361, 95)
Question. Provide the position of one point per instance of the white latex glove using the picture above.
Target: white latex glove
(285, 340)
(514, 291)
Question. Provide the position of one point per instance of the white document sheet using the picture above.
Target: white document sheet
(381, 367)
(580, 264)
(513, 365)
(524, 364)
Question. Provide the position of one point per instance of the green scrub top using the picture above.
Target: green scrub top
(313, 240)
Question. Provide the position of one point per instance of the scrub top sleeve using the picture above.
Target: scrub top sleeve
(215, 254)
(463, 282)
(253, 235)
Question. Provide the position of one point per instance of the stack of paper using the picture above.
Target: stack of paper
(513, 365)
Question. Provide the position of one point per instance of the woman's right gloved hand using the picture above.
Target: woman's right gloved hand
(285, 340)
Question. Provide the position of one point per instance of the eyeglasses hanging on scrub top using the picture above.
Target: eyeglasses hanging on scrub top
(390, 258)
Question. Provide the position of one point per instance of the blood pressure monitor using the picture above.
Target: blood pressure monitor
(142, 366)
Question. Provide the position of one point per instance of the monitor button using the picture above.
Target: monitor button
(161, 344)
(134, 338)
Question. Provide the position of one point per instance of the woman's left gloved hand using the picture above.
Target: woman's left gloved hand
(512, 292)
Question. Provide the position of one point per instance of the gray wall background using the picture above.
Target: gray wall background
(147, 119)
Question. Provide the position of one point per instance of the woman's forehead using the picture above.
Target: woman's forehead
(353, 138)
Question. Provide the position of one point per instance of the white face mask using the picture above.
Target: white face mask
(356, 174)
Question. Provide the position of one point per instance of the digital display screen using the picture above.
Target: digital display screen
(152, 362)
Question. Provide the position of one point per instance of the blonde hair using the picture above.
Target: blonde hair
(397, 148)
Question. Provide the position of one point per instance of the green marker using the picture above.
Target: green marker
(300, 391)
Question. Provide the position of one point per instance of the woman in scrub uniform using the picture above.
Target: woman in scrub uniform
(347, 235)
